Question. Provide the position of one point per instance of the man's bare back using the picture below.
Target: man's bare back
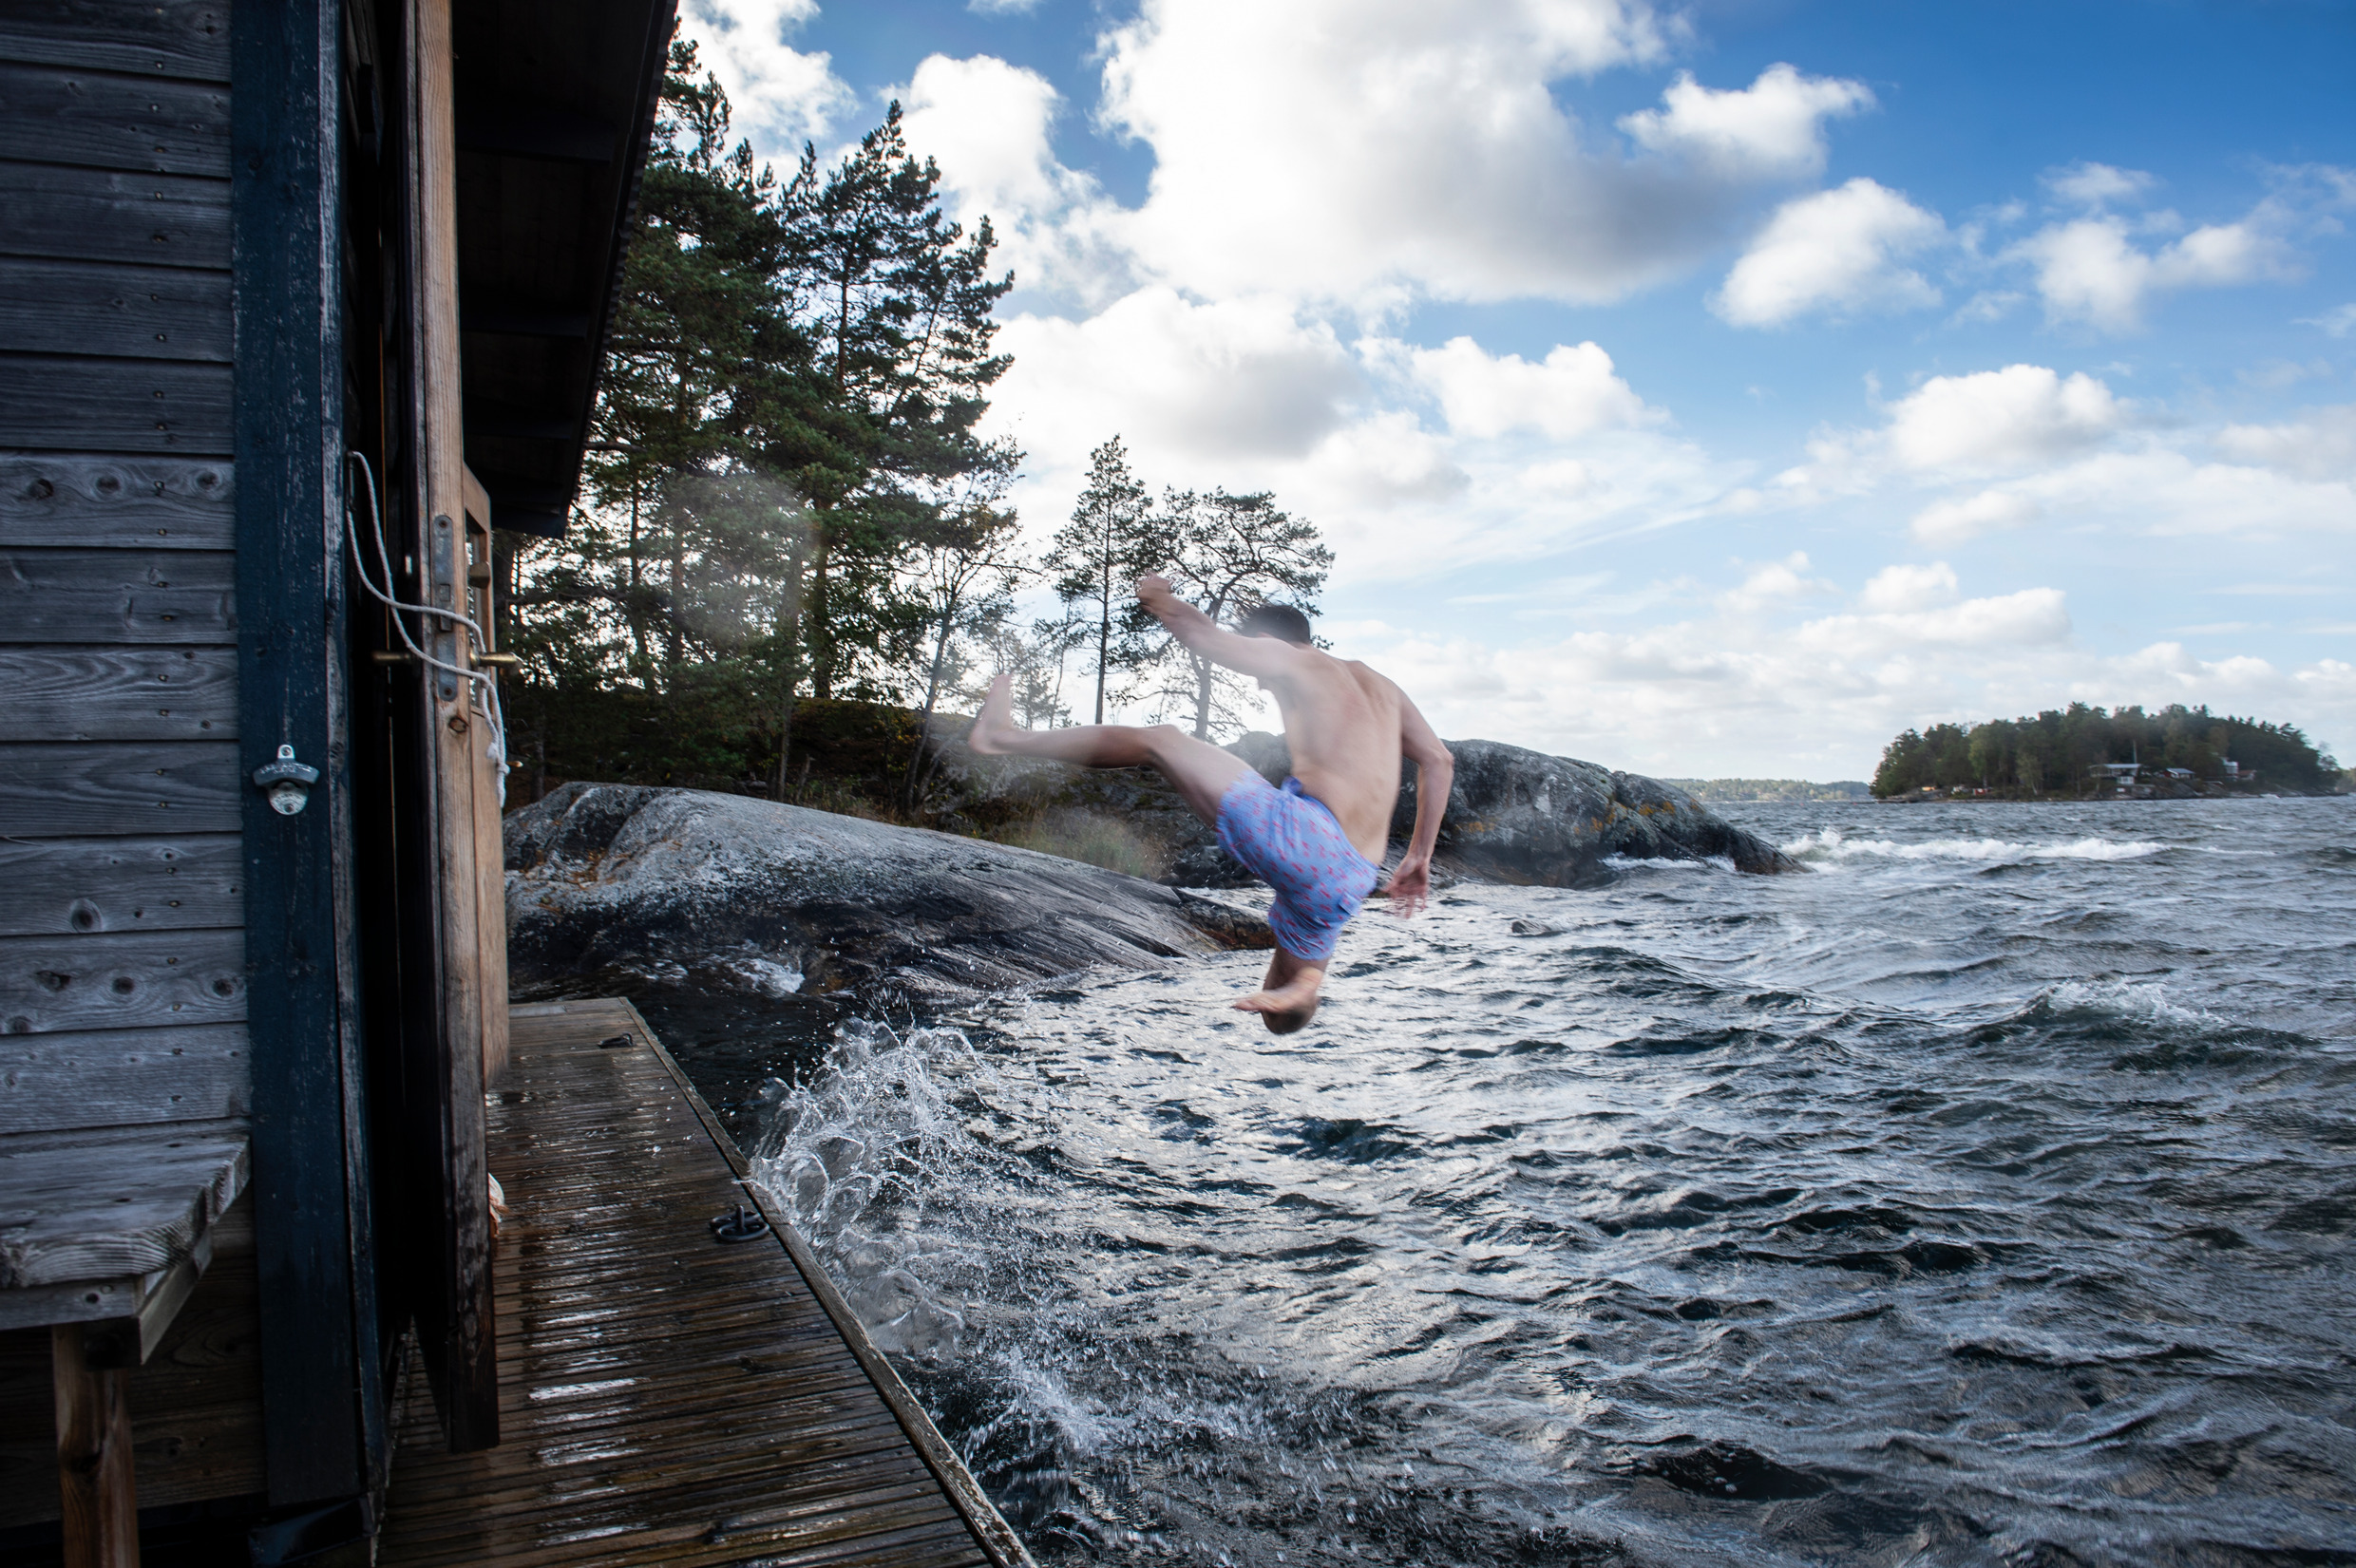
(1347, 726)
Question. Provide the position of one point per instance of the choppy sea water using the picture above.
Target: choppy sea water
(1983, 1196)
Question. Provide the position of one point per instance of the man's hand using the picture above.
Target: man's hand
(1411, 887)
(1155, 586)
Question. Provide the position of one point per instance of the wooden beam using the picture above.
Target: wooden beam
(60, 887)
(67, 498)
(126, 312)
(313, 1235)
(461, 1346)
(110, 215)
(117, 596)
(111, 693)
(88, 405)
(106, 121)
(127, 1077)
(182, 38)
(134, 979)
(96, 1487)
(109, 788)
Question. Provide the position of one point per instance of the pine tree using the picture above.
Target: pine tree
(1112, 538)
(1230, 555)
(895, 300)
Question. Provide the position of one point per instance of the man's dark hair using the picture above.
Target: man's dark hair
(1281, 621)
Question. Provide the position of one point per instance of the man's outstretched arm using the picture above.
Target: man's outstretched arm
(1435, 776)
(1264, 658)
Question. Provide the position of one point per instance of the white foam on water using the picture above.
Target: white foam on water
(1831, 846)
(849, 1152)
(2146, 1000)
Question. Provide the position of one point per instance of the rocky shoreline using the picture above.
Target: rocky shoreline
(629, 886)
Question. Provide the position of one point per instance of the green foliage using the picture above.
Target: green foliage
(1114, 538)
(2052, 752)
(1230, 555)
(783, 454)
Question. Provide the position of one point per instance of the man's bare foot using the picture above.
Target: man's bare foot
(998, 714)
(1287, 1007)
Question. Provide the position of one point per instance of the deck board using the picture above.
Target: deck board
(663, 1398)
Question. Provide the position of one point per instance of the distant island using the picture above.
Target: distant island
(2079, 752)
(1719, 791)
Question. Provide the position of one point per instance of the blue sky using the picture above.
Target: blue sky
(1704, 390)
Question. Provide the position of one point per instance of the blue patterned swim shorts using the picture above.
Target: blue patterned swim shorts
(1292, 842)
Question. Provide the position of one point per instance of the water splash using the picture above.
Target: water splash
(1833, 846)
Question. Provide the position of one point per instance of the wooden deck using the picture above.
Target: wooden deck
(665, 1398)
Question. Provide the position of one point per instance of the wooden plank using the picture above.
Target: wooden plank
(58, 498)
(315, 1243)
(112, 214)
(78, 1206)
(115, 405)
(118, 787)
(103, 307)
(461, 1346)
(664, 1400)
(117, 596)
(195, 1417)
(119, 695)
(182, 38)
(94, 1458)
(122, 980)
(91, 1078)
(62, 886)
(101, 120)
(956, 1480)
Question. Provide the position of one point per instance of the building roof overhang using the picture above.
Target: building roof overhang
(555, 108)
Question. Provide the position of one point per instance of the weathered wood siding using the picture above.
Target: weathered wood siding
(122, 957)
(122, 965)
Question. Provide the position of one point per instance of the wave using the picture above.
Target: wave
(1831, 846)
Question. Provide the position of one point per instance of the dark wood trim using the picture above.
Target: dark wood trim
(311, 1215)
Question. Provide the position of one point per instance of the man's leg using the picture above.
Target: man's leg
(1201, 770)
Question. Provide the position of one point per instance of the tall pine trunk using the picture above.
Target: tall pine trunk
(790, 640)
(932, 695)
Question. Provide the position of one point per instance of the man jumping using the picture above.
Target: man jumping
(1320, 840)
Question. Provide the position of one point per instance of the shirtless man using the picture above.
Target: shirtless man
(1320, 840)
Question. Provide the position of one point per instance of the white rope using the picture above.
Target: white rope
(483, 685)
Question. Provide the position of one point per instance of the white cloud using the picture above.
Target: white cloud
(1239, 379)
(1772, 128)
(1001, 7)
(2091, 271)
(1838, 252)
(1570, 392)
(2337, 321)
(1997, 419)
(1732, 695)
(2089, 184)
(1946, 522)
(1774, 583)
(1896, 590)
(1346, 150)
(987, 124)
(2320, 446)
(779, 96)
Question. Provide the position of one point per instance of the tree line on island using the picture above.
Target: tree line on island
(2058, 752)
(795, 543)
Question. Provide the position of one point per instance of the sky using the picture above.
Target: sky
(1707, 390)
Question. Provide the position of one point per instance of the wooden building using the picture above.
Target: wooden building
(301, 303)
